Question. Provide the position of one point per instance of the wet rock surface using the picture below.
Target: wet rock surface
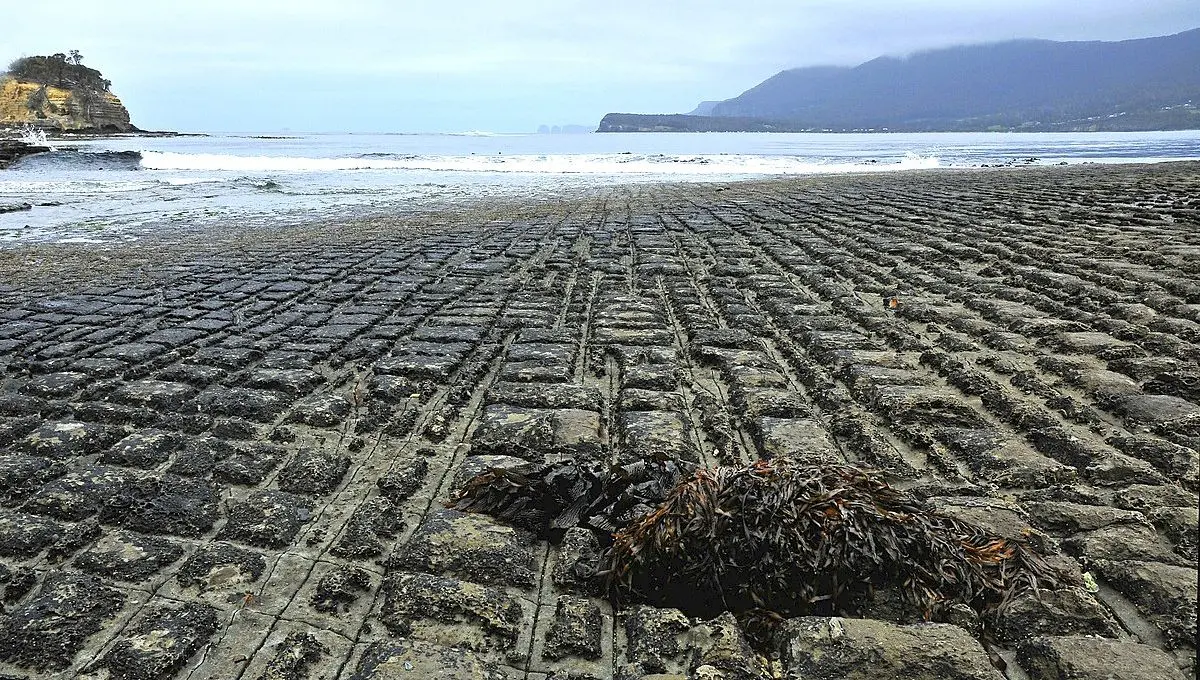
(865, 648)
(470, 546)
(451, 611)
(576, 629)
(47, 631)
(294, 657)
(128, 556)
(414, 658)
(340, 587)
(162, 641)
(267, 519)
(1083, 658)
(224, 462)
(311, 472)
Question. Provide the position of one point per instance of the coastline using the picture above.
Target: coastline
(270, 420)
(168, 241)
(10, 131)
(13, 147)
(119, 189)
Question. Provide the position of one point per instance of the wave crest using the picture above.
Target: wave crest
(74, 159)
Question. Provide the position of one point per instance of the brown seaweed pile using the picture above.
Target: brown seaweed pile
(558, 496)
(810, 539)
(775, 536)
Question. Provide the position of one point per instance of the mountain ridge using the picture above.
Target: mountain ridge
(1026, 84)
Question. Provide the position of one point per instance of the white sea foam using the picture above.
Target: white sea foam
(186, 181)
(1116, 161)
(102, 188)
(600, 164)
(34, 136)
(68, 187)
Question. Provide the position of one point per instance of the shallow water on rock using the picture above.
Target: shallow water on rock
(118, 189)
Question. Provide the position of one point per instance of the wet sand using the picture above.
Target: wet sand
(225, 453)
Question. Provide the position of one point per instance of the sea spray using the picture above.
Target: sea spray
(33, 136)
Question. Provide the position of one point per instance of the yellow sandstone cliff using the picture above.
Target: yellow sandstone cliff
(59, 108)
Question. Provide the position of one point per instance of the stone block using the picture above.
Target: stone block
(866, 649)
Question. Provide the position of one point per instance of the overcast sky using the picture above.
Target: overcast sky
(506, 65)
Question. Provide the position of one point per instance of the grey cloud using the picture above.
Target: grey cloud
(460, 64)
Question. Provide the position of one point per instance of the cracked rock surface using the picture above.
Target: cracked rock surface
(230, 456)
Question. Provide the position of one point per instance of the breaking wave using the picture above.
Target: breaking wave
(76, 159)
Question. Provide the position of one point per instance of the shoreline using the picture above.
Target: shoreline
(235, 180)
(15, 132)
(168, 238)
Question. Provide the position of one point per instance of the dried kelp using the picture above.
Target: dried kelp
(555, 497)
(809, 540)
(775, 536)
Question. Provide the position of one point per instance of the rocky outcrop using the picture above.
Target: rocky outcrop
(24, 102)
(12, 150)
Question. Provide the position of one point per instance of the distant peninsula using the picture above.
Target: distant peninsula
(57, 93)
(1019, 85)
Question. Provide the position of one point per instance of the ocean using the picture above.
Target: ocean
(122, 188)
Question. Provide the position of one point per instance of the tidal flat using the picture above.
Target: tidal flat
(227, 452)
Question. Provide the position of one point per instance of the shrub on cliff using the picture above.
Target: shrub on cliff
(59, 70)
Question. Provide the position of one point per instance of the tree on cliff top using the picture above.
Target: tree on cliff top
(59, 70)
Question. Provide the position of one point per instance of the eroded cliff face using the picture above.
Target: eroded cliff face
(59, 108)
